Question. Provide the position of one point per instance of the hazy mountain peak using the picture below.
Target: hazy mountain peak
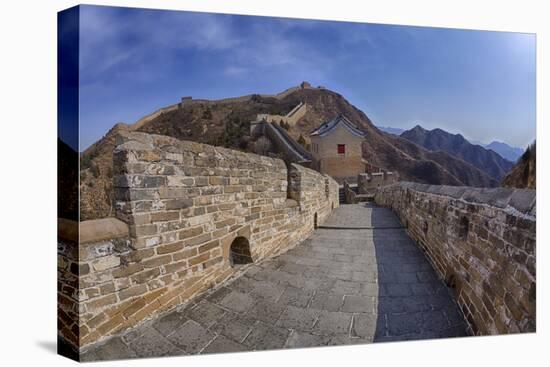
(391, 130)
(505, 150)
(456, 145)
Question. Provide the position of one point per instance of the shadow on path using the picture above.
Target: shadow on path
(413, 302)
(358, 279)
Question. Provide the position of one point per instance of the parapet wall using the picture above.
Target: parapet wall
(482, 242)
(142, 121)
(291, 118)
(368, 183)
(186, 206)
(283, 94)
(291, 150)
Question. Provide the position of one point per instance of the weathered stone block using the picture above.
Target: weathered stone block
(191, 232)
(199, 259)
(127, 270)
(178, 204)
(107, 288)
(143, 230)
(156, 261)
(99, 303)
(173, 192)
(138, 255)
(209, 246)
(173, 247)
(198, 240)
(145, 276)
(215, 180)
(180, 181)
(185, 254)
(132, 291)
(201, 181)
(105, 263)
(164, 216)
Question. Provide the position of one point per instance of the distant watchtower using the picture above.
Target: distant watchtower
(185, 100)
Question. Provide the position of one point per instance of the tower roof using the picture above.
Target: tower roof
(330, 125)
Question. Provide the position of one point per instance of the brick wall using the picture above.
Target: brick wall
(291, 118)
(184, 204)
(85, 252)
(368, 183)
(482, 242)
(291, 150)
(67, 291)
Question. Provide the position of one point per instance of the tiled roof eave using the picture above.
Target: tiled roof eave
(358, 134)
(328, 126)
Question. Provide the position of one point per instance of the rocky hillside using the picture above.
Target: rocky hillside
(227, 123)
(524, 173)
(96, 177)
(455, 144)
(67, 181)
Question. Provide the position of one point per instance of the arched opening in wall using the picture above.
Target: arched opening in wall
(239, 252)
(463, 228)
(332, 206)
(315, 221)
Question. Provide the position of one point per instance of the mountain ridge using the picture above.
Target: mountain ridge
(458, 146)
(505, 150)
(228, 124)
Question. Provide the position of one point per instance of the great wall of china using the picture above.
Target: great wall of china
(292, 117)
(191, 216)
(482, 242)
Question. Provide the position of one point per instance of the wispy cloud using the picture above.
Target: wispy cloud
(234, 71)
(110, 39)
(124, 40)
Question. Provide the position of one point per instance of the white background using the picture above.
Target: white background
(28, 181)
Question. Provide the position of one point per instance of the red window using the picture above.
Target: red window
(341, 148)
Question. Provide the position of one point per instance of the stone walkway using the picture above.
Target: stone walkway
(343, 285)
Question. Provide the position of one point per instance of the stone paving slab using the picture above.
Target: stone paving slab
(339, 287)
(152, 344)
(361, 215)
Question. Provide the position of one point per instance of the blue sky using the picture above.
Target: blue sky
(477, 83)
